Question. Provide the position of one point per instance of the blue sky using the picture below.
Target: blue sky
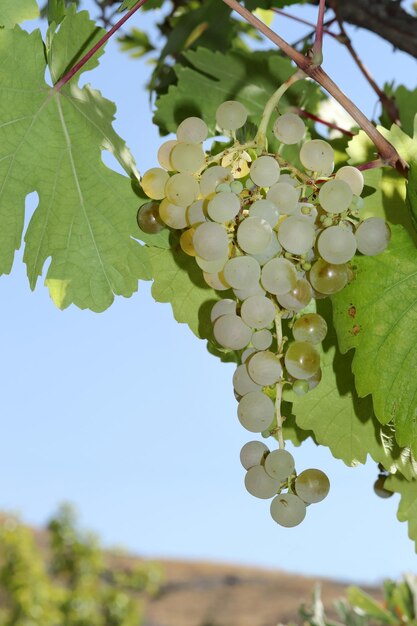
(126, 415)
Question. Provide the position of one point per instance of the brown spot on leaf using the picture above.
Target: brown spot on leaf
(356, 330)
(352, 311)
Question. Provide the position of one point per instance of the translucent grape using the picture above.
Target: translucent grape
(298, 297)
(187, 157)
(242, 272)
(195, 213)
(231, 332)
(314, 380)
(172, 214)
(164, 154)
(353, 177)
(223, 307)
(192, 129)
(242, 382)
(278, 276)
(373, 236)
(153, 183)
(212, 177)
(284, 196)
(148, 218)
(236, 186)
(247, 353)
(265, 171)
(288, 510)
(312, 486)
(258, 311)
(289, 128)
(300, 387)
(252, 453)
(336, 245)
(254, 235)
(287, 178)
(296, 235)
(328, 278)
(186, 242)
(302, 359)
(269, 252)
(254, 289)
(266, 210)
(259, 484)
(182, 189)
(211, 241)
(216, 281)
(255, 410)
(335, 196)
(311, 327)
(211, 267)
(223, 207)
(262, 339)
(231, 115)
(279, 464)
(264, 368)
(317, 156)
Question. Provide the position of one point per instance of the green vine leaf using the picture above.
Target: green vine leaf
(412, 192)
(51, 143)
(407, 510)
(15, 11)
(377, 315)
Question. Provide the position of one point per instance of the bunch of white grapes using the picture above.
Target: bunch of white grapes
(273, 237)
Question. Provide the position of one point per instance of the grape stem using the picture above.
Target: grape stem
(74, 70)
(271, 105)
(316, 54)
(387, 151)
(307, 23)
(231, 150)
(278, 398)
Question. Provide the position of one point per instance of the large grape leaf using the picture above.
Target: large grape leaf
(344, 422)
(51, 143)
(15, 11)
(407, 510)
(377, 315)
(212, 77)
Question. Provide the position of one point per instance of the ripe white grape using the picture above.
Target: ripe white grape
(164, 154)
(312, 486)
(317, 156)
(296, 235)
(258, 311)
(265, 171)
(353, 177)
(212, 177)
(298, 297)
(287, 178)
(301, 387)
(278, 276)
(255, 411)
(264, 368)
(259, 484)
(269, 252)
(231, 115)
(216, 281)
(254, 289)
(148, 218)
(302, 359)
(373, 236)
(186, 242)
(265, 209)
(315, 379)
(192, 129)
(242, 272)
(211, 267)
(262, 339)
(336, 245)
(311, 327)
(306, 211)
(223, 307)
(223, 207)
(187, 157)
(284, 196)
(153, 183)
(195, 213)
(335, 196)
(247, 353)
(289, 128)
(231, 332)
(182, 189)
(279, 464)
(288, 510)
(172, 214)
(242, 382)
(254, 234)
(252, 453)
(328, 278)
(211, 241)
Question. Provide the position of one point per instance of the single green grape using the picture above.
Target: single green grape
(148, 218)
(312, 486)
(379, 487)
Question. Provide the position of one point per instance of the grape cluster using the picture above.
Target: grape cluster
(274, 237)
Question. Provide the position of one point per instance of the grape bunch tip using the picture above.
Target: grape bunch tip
(274, 238)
